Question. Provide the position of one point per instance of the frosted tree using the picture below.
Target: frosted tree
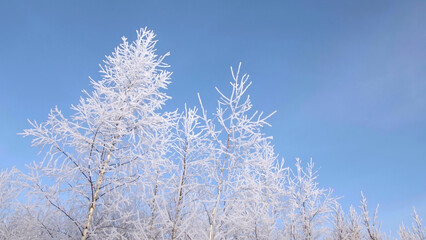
(237, 137)
(349, 228)
(191, 150)
(372, 227)
(259, 193)
(10, 220)
(308, 205)
(417, 231)
(115, 134)
(340, 231)
(354, 226)
(363, 226)
(176, 185)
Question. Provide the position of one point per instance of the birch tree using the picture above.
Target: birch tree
(106, 144)
(237, 136)
(191, 149)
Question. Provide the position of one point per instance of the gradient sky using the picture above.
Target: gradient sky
(348, 78)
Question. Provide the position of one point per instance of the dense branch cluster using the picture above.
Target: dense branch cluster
(122, 168)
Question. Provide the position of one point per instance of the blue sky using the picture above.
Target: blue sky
(348, 78)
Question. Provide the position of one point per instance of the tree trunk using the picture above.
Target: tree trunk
(95, 196)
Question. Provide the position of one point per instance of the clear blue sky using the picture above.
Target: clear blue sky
(348, 78)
